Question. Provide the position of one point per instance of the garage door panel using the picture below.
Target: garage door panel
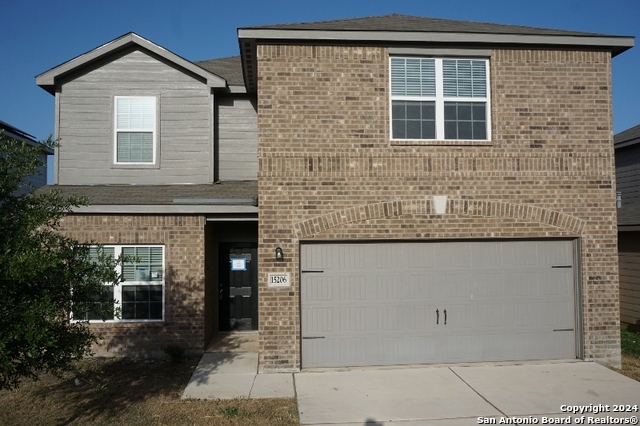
(486, 255)
(420, 256)
(392, 349)
(421, 318)
(460, 348)
(555, 315)
(458, 285)
(522, 315)
(352, 288)
(343, 351)
(351, 256)
(392, 287)
(318, 321)
(488, 285)
(318, 257)
(523, 254)
(391, 259)
(551, 254)
(521, 285)
(453, 255)
(352, 319)
(552, 286)
(457, 316)
(503, 301)
(486, 315)
(421, 287)
(320, 288)
(390, 318)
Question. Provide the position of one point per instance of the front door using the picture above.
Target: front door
(238, 287)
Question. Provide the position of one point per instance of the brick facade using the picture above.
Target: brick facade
(327, 170)
(183, 238)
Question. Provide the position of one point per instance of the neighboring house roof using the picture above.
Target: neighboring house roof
(21, 135)
(229, 68)
(47, 80)
(222, 197)
(627, 137)
(407, 30)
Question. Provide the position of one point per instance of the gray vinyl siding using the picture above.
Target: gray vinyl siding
(628, 182)
(628, 173)
(183, 123)
(237, 139)
(629, 255)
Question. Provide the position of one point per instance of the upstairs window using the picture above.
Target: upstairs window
(135, 130)
(439, 99)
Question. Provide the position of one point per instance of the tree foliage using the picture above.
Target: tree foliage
(47, 281)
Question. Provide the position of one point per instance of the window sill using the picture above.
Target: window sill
(134, 166)
(417, 142)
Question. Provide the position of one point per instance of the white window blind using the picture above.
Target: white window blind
(413, 77)
(439, 98)
(135, 129)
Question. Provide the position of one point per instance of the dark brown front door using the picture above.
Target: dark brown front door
(238, 290)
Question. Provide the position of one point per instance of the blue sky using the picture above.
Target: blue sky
(41, 34)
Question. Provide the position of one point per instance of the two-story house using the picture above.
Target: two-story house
(374, 191)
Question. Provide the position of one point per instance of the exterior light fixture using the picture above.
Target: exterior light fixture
(279, 255)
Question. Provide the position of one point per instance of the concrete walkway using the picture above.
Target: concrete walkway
(229, 369)
(228, 375)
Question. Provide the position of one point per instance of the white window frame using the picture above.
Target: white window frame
(117, 290)
(440, 101)
(117, 130)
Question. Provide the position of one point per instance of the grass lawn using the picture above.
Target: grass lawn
(118, 391)
(630, 342)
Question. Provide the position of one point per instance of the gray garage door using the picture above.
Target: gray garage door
(439, 302)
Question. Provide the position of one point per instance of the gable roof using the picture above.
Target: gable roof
(627, 137)
(47, 80)
(395, 29)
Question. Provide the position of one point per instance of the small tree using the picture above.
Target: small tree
(48, 282)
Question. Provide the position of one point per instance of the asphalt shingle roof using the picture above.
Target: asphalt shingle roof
(397, 22)
(627, 135)
(229, 68)
(157, 194)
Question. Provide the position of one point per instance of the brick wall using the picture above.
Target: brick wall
(183, 238)
(327, 170)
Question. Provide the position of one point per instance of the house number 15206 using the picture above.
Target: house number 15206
(278, 280)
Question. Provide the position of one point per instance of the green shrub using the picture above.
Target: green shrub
(630, 342)
(175, 352)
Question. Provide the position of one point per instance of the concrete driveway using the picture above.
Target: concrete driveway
(466, 395)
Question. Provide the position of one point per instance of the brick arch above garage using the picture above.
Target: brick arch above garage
(455, 208)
